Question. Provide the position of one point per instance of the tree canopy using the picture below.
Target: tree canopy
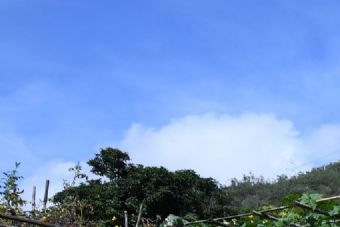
(161, 191)
(110, 163)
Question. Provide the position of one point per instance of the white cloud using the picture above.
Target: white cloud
(224, 146)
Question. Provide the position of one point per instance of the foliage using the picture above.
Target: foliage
(319, 214)
(74, 206)
(11, 193)
(186, 194)
(110, 163)
(251, 191)
(99, 198)
(161, 191)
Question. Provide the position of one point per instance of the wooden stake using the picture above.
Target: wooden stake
(139, 214)
(33, 199)
(126, 218)
(47, 184)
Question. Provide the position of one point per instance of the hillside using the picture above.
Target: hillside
(252, 191)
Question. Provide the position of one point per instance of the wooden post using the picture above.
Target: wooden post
(126, 218)
(33, 199)
(47, 184)
(139, 214)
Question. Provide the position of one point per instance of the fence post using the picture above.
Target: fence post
(125, 218)
(47, 184)
(139, 214)
(33, 199)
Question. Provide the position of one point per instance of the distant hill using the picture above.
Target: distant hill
(253, 192)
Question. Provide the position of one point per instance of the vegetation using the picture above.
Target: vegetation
(123, 187)
(251, 192)
(11, 193)
(128, 185)
(309, 210)
(184, 193)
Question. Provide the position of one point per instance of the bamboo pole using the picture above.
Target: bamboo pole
(26, 220)
(217, 223)
(328, 199)
(310, 208)
(270, 217)
(239, 215)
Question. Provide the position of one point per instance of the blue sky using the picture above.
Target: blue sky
(79, 75)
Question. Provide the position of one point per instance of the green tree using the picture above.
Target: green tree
(150, 185)
(74, 205)
(194, 193)
(90, 202)
(110, 163)
(10, 191)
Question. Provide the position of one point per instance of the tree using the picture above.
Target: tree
(110, 163)
(194, 193)
(92, 203)
(10, 191)
(150, 185)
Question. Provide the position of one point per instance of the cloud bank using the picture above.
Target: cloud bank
(224, 146)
